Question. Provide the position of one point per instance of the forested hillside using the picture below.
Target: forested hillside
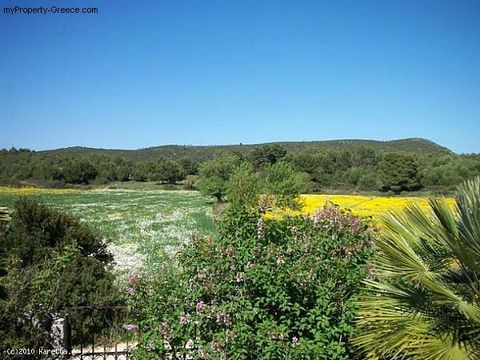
(203, 153)
(349, 165)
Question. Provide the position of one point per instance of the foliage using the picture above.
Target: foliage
(79, 172)
(164, 170)
(262, 289)
(278, 182)
(349, 165)
(399, 173)
(4, 214)
(111, 169)
(169, 171)
(35, 230)
(144, 171)
(215, 173)
(44, 250)
(243, 187)
(268, 154)
(189, 166)
(424, 299)
(282, 182)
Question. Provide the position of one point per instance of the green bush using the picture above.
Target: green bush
(53, 262)
(214, 175)
(261, 289)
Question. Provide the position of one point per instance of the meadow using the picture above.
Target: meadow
(145, 227)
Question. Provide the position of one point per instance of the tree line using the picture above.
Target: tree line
(353, 168)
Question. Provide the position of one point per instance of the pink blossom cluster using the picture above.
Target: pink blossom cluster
(132, 279)
(130, 327)
(330, 216)
(200, 307)
(260, 226)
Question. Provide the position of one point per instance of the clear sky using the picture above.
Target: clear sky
(145, 73)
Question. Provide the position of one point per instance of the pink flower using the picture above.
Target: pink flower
(222, 319)
(200, 307)
(132, 279)
(260, 233)
(130, 327)
(184, 319)
(130, 291)
(190, 344)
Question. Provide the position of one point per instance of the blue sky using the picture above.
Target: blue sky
(146, 73)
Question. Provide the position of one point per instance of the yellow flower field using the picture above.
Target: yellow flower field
(364, 205)
(374, 206)
(30, 190)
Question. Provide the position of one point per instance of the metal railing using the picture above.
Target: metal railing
(97, 333)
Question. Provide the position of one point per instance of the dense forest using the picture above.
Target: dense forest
(347, 165)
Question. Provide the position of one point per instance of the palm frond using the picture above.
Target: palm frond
(424, 301)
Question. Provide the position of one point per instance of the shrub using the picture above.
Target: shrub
(79, 172)
(53, 262)
(215, 173)
(261, 289)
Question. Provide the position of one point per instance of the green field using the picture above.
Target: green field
(144, 226)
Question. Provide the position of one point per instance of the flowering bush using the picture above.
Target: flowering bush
(262, 289)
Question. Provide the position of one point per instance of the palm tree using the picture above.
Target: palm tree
(423, 295)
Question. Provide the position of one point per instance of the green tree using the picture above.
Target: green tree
(123, 169)
(266, 155)
(190, 166)
(79, 172)
(303, 162)
(144, 171)
(423, 298)
(215, 173)
(281, 181)
(107, 171)
(368, 181)
(169, 171)
(400, 172)
(364, 156)
(243, 187)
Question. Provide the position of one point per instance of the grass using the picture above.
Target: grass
(145, 227)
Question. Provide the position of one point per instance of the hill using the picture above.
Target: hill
(202, 153)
